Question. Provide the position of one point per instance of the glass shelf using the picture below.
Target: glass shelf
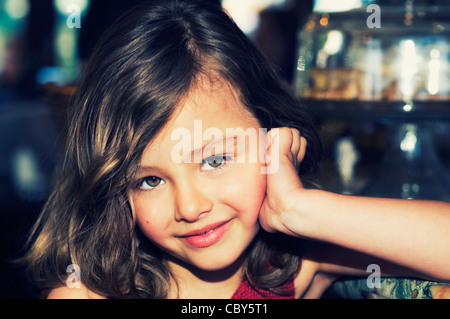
(411, 167)
(397, 74)
(379, 110)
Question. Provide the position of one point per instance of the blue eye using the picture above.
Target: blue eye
(151, 182)
(214, 162)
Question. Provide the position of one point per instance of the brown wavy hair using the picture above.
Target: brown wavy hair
(140, 69)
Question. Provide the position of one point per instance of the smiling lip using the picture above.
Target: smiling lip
(206, 236)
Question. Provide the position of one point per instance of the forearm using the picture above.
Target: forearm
(415, 234)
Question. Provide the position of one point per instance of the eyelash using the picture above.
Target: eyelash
(225, 159)
(214, 170)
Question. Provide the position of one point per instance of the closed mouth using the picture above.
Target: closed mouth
(206, 236)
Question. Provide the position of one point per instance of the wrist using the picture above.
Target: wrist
(305, 213)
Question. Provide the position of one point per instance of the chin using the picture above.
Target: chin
(219, 265)
(227, 256)
(223, 264)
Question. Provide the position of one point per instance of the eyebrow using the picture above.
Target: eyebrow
(227, 141)
(143, 168)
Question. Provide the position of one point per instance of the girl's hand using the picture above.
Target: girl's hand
(286, 146)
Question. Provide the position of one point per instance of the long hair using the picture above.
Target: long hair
(139, 71)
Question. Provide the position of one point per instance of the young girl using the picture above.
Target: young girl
(142, 221)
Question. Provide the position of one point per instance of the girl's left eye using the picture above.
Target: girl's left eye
(214, 162)
(151, 182)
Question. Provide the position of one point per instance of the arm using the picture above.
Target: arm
(410, 233)
(413, 234)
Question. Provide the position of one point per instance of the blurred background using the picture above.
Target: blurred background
(45, 43)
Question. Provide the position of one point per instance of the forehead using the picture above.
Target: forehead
(210, 89)
(214, 102)
(210, 103)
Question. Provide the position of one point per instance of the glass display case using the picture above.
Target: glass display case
(387, 61)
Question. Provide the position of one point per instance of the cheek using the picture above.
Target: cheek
(247, 193)
(149, 219)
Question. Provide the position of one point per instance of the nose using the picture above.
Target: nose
(191, 202)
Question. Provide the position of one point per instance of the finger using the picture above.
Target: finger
(298, 148)
(283, 173)
(302, 150)
(291, 144)
(295, 146)
(283, 138)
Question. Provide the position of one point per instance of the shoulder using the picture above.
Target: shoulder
(311, 282)
(73, 293)
(305, 277)
(323, 264)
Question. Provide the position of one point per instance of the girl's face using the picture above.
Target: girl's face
(196, 199)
